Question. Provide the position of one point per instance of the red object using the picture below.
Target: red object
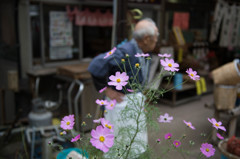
(233, 146)
(97, 18)
(81, 18)
(91, 18)
(70, 13)
(181, 19)
(109, 17)
(101, 18)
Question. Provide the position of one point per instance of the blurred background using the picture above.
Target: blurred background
(46, 46)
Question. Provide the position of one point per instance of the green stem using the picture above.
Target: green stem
(118, 65)
(130, 145)
(130, 66)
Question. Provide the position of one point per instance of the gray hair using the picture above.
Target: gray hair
(149, 30)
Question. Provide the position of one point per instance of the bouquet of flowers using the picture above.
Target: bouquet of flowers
(124, 139)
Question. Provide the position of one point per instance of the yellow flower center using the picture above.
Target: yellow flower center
(68, 123)
(170, 65)
(118, 80)
(191, 74)
(188, 125)
(110, 53)
(217, 124)
(108, 126)
(176, 143)
(61, 133)
(123, 60)
(111, 105)
(137, 65)
(102, 103)
(207, 150)
(169, 137)
(101, 138)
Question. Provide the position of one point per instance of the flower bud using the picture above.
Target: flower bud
(137, 65)
(84, 123)
(89, 115)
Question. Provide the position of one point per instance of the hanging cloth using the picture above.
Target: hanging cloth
(81, 18)
(218, 16)
(101, 18)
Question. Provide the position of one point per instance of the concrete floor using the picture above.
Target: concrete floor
(194, 112)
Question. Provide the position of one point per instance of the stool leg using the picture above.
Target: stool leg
(76, 99)
(69, 97)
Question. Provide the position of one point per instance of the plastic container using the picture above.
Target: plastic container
(177, 81)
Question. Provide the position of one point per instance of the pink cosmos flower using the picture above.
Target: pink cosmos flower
(102, 139)
(67, 122)
(165, 118)
(107, 124)
(145, 55)
(111, 104)
(176, 143)
(76, 138)
(110, 52)
(164, 55)
(169, 65)
(207, 149)
(216, 124)
(193, 74)
(101, 102)
(130, 90)
(142, 55)
(103, 89)
(220, 136)
(189, 124)
(98, 121)
(168, 136)
(119, 80)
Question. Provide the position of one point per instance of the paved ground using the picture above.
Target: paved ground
(192, 111)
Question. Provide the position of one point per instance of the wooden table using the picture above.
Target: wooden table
(77, 71)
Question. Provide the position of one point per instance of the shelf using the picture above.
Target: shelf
(177, 97)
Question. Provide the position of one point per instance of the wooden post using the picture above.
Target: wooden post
(121, 20)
